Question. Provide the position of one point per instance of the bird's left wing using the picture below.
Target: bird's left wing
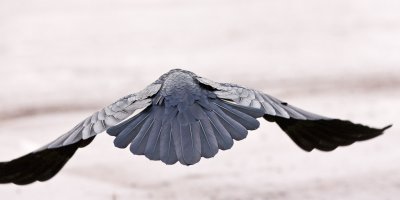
(308, 130)
(45, 162)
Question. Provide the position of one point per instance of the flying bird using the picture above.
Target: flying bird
(185, 117)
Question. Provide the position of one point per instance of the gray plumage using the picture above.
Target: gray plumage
(185, 117)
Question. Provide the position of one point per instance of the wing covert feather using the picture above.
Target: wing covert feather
(256, 99)
(107, 117)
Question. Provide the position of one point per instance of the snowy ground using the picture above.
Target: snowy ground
(62, 61)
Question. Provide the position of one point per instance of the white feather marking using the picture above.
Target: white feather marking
(116, 108)
(138, 104)
(111, 121)
(255, 104)
(86, 131)
(245, 102)
(122, 114)
(226, 95)
(102, 115)
(108, 110)
(87, 121)
(98, 127)
(93, 119)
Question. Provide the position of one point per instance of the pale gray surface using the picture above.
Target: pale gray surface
(337, 58)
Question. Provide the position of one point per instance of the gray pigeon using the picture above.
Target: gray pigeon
(185, 117)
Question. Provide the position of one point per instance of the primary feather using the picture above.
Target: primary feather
(185, 117)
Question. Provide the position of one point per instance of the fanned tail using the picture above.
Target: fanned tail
(185, 133)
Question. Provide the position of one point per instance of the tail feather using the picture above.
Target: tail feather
(175, 131)
(187, 144)
(116, 130)
(138, 144)
(195, 143)
(147, 140)
(209, 144)
(199, 112)
(130, 130)
(245, 120)
(237, 131)
(152, 150)
(224, 139)
(167, 146)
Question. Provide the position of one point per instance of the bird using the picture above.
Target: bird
(183, 117)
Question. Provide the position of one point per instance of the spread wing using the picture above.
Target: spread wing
(44, 163)
(308, 130)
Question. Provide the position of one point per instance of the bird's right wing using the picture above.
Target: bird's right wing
(308, 130)
(45, 162)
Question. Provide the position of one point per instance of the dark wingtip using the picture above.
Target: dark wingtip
(38, 166)
(386, 127)
(325, 135)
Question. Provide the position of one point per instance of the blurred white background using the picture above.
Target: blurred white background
(62, 60)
